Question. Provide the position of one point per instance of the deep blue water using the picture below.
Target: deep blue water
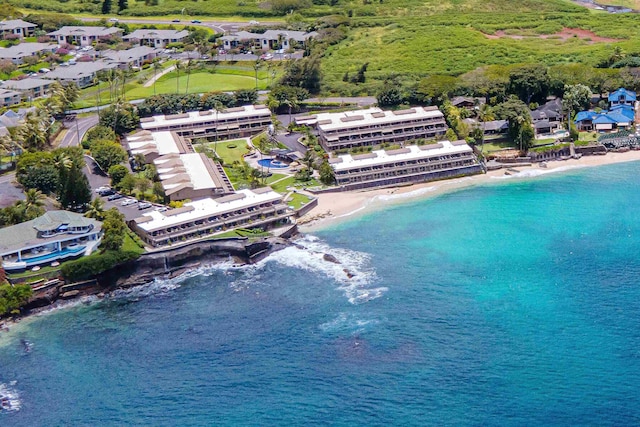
(516, 303)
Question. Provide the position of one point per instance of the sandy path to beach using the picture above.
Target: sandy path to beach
(335, 207)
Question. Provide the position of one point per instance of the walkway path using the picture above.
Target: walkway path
(152, 80)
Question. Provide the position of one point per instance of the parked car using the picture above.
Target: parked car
(162, 209)
(144, 205)
(103, 188)
(108, 192)
(128, 202)
(115, 196)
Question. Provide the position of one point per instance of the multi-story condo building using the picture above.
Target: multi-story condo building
(365, 128)
(229, 123)
(415, 163)
(84, 36)
(156, 38)
(52, 237)
(261, 207)
(192, 176)
(156, 144)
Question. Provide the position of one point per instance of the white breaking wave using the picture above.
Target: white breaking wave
(532, 173)
(9, 397)
(354, 272)
(407, 195)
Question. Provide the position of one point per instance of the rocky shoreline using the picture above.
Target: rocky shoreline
(151, 266)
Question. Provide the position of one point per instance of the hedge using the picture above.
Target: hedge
(88, 267)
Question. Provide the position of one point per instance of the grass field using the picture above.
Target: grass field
(633, 4)
(230, 151)
(198, 83)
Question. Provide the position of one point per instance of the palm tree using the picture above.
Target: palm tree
(95, 209)
(178, 67)
(33, 134)
(34, 202)
(256, 66)
(156, 67)
(187, 69)
(292, 103)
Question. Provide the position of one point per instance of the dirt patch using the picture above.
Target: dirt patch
(565, 34)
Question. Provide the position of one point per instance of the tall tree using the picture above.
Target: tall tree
(106, 7)
(114, 229)
(95, 209)
(576, 97)
(122, 5)
(530, 83)
(75, 192)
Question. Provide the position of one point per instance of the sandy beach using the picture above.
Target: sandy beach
(339, 206)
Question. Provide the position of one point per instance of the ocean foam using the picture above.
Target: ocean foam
(9, 397)
(354, 272)
(347, 322)
(532, 173)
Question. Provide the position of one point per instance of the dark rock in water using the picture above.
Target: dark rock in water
(330, 258)
(349, 274)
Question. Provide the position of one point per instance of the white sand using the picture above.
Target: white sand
(333, 207)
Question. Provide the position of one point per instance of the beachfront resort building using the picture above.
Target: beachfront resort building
(411, 164)
(229, 123)
(184, 174)
(261, 207)
(52, 237)
(192, 176)
(365, 128)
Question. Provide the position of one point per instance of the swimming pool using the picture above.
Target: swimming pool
(68, 251)
(271, 163)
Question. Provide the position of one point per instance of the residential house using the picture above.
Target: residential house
(365, 128)
(52, 237)
(198, 219)
(9, 97)
(128, 58)
(493, 127)
(82, 74)
(547, 117)
(270, 39)
(84, 36)
(11, 119)
(17, 27)
(156, 38)
(19, 52)
(31, 87)
(468, 102)
(411, 164)
(604, 121)
(622, 97)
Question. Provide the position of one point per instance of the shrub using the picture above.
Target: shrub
(90, 266)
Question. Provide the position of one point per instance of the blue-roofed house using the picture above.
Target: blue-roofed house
(605, 121)
(625, 109)
(622, 96)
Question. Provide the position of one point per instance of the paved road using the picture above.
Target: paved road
(77, 127)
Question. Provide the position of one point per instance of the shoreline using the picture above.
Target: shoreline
(335, 208)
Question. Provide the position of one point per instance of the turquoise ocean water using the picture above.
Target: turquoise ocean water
(515, 303)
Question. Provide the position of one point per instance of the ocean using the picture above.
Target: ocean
(511, 303)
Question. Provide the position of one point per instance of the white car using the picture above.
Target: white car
(129, 202)
(113, 19)
(253, 22)
(103, 188)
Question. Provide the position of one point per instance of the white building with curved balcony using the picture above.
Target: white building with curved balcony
(52, 237)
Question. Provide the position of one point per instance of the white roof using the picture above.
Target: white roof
(76, 30)
(414, 153)
(196, 117)
(164, 141)
(25, 49)
(195, 168)
(351, 119)
(205, 208)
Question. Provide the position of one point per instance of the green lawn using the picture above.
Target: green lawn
(198, 83)
(588, 136)
(298, 200)
(274, 177)
(281, 186)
